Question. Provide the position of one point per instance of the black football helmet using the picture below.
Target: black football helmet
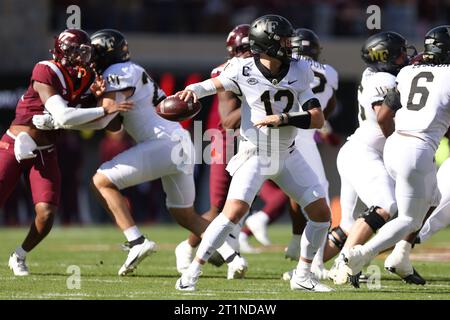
(267, 34)
(306, 43)
(382, 51)
(437, 45)
(110, 47)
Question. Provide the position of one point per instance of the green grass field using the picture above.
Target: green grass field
(96, 251)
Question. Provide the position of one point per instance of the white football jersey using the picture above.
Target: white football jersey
(324, 84)
(266, 96)
(372, 90)
(425, 99)
(142, 122)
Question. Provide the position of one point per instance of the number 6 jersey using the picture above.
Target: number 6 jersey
(268, 95)
(425, 98)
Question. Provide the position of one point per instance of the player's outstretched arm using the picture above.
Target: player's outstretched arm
(207, 88)
(63, 115)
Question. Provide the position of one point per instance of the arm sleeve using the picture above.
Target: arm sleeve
(65, 115)
(98, 124)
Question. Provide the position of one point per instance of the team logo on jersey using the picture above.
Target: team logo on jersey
(252, 81)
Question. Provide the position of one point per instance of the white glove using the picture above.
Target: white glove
(24, 146)
(44, 122)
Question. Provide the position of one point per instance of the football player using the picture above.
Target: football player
(306, 46)
(360, 160)
(57, 87)
(275, 88)
(422, 118)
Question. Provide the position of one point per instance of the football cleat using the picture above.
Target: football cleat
(237, 268)
(18, 265)
(136, 254)
(187, 282)
(355, 260)
(398, 263)
(307, 282)
(184, 254)
(257, 223)
(216, 259)
(339, 271)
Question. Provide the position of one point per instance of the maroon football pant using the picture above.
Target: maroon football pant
(44, 174)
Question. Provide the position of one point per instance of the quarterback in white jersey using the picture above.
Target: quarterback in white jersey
(274, 87)
(422, 119)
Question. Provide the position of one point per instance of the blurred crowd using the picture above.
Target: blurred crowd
(329, 18)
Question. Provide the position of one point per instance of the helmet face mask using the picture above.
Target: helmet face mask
(306, 43)
(73, 49)
(271, 35)
(437, 45)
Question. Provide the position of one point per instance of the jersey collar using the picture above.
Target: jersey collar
(274, 79)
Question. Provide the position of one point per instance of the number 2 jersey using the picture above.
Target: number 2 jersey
(142, 122)
(323, 86)
(425, 98)
(372, 90)
(266, 95)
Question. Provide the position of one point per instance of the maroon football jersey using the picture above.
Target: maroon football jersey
(72, 89)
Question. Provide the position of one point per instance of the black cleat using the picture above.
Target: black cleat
(415, 278)
(354, 280)
(216, 259)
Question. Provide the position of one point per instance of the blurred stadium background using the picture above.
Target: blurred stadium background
(179, 42)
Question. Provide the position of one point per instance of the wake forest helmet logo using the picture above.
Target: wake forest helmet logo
(107, 43)
(378, 55)
(268, 25)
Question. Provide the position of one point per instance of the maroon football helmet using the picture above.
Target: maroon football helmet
(237, 40)
(73, 48)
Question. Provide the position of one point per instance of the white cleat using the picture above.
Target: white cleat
(307, 282)
(339, 271)
(257, 223)
(398, 263)
(356, 260)
(18, 265)
(136, 254)
(245, 246)
(184, 254)
(187, 282)
(292, 251)
(237, 268)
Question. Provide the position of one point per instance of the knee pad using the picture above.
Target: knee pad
(372, 218)
(339, 242)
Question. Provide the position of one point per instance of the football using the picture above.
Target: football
(174, 109)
